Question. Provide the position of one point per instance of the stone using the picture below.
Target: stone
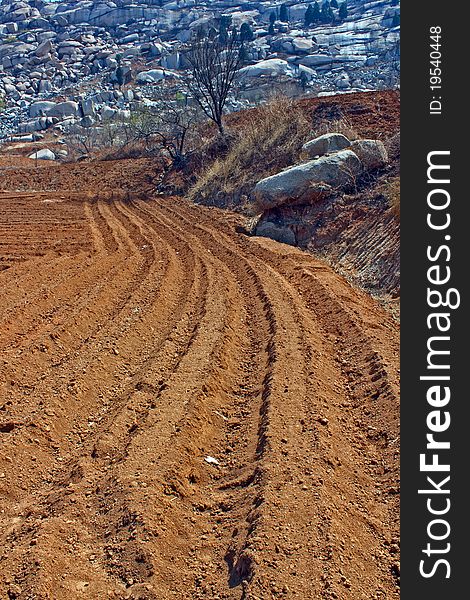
(11, 27)
(38, 109)
(108, 113)
(275, 232)
(88, 107)
(316, 60)
(272, 66)
(338, 171)
(64, 109)
(150, 76)
(44, 49)
(44, 154)
(302, 45)
(44, 86)
(309, 73)
(129, 39)
(87, 121)
(329, 142)
(372, 153)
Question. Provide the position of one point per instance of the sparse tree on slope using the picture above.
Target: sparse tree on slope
(243, 54)
(326, 15)
(213, 68)
(316, 12)
(224, 24)
(166, 124)
(309, 20)
(343, 11)
(283, 13)
(246, 33)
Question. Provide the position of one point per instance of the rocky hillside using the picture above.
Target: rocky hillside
(69, 51)
(318, 173)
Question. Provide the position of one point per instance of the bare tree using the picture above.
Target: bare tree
(83, 141)
(214, 64)
(165, 123)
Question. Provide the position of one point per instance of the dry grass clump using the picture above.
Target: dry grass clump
(391, 191)
(393, 146)
(342, 125)
(270, 140)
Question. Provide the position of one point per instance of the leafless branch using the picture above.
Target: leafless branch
(214, 65)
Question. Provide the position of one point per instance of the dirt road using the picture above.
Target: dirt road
(187, 412)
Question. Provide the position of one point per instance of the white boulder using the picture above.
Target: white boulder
(324, 144)
(336, 171)
(38, 109)
(150, 76)
(270, 67)
(44, 154)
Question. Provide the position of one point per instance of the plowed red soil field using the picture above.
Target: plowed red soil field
(186, 412)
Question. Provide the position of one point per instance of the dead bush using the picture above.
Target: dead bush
(391, 192)
(270, 140)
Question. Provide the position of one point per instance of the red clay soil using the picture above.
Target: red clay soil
(371, 114)
(185, 412)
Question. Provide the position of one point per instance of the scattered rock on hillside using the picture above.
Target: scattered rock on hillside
(275, 232)
(44, 154)
(271, 67)
(64, 109)
(41, 108)
(372, 153)
(150, 76)
(56, 51)
(329, 142)
(335, 170)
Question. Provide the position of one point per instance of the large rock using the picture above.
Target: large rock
(44, 49)
(329, 142)
(37, 109)
(64, 109)
(303, 45)
(270, 67)
(108, 113)
(317, 60)
(275, 232)
(337, 171)
(88, 107)
(372, 153)
(150, 76)
(44, 154)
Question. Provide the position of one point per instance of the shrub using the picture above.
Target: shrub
(391, 192)
(270, 140)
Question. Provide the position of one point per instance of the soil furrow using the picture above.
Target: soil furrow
(214, 416)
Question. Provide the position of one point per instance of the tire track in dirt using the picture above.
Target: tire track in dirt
(179, 301)
(203, 343)
(48, 302)
(73, 345)
(198, 411)
(99, 240)
(242, 560)
(211, 319)
(371, 364)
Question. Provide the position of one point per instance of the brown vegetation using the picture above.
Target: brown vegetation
(269, 138)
